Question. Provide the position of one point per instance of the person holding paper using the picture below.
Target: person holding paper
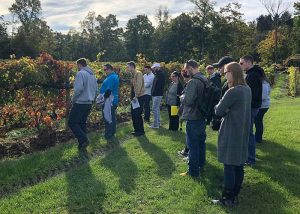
(137, 99)
(173, 101)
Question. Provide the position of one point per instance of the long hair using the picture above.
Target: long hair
(237, 73)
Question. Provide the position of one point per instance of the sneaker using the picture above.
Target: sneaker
(224, 202)
(154, 127)
(137, 134)
(183, 153)
(186, 159)
(250, 164)
(184, 174)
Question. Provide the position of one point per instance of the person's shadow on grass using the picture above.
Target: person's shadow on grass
(119, 162)
(281, 164)
(85, 192)
(165, 166)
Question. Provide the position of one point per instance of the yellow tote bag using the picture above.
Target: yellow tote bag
(174, 110)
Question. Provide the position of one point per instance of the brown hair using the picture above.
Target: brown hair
(248, 58)
(236, 72)
(82, 61)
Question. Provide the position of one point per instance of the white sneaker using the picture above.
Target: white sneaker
(154, 127)
(186, 159)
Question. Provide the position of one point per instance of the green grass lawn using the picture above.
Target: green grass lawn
(141, 175)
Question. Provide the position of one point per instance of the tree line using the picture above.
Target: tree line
(203, 34)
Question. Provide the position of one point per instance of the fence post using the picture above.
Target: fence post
(67, 99)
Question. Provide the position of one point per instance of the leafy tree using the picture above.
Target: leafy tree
(109, 38)
(138, 36)
(160, 41)
(204, 14)
(266, 47)
(264, 23)
(275, 8)
(295, 38)
(27, 11)
(4, 40)
(180, 37)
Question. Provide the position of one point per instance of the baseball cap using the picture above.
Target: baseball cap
(223, 61)
(155, 65)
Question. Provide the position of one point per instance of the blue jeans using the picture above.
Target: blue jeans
(195, 136)
(110, 129)
(77, 121)
(233, 178)
(251, 144)
(156, 110)
(259, 124)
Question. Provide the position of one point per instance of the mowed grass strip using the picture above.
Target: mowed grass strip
(142, 176)
(16, 170)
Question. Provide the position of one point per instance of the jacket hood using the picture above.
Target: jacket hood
(88, 69)
(256, 69)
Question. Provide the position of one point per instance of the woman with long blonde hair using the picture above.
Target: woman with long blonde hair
(235, 108)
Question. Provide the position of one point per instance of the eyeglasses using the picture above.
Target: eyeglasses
(241, 63)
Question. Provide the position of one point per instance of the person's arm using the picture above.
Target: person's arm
(103, 87)
(254, 83)
(223, 107)
(191, 93)
(147, 81)
(139, 84)
(78, 86)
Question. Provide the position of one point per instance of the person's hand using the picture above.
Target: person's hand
(107, 93)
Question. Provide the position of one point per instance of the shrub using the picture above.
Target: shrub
(294, 81)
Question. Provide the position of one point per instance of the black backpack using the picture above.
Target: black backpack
(209, 99)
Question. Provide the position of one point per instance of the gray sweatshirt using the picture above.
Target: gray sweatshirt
(85, 86)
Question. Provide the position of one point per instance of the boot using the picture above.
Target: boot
(227, 199)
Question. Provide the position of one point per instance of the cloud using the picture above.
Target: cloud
(61, 15)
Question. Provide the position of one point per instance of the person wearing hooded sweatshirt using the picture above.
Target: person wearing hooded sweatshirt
(254, 76)
(85, 88)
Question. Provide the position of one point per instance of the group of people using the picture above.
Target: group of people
(244, 101)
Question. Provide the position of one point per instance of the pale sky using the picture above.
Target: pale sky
(61, 15)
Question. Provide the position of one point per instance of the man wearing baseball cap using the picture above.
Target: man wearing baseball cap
(220, 65)
(157, 92)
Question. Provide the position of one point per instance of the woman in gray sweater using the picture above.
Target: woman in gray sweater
(235, 108)
(172, 99)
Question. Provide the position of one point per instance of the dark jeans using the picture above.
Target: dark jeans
(110, 129)
(147, 100)
(136, 115)
(77, 121)
(233, 179)
(252, 143)
(174, 120)
(195, 136)
(259, 124)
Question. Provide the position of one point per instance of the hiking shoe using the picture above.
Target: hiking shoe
(186, 159)
(154, 127)
(228, 202)
(183, 153)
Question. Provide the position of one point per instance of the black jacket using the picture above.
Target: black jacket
(254, 80)
(215, 78)
(158, 84)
